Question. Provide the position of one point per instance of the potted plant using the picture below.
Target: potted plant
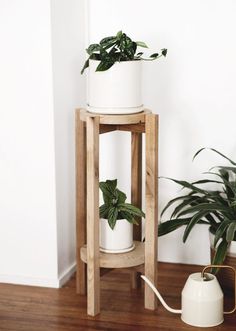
(116, 219)
(114, 78)
(214, 207)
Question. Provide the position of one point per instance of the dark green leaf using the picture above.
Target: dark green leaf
(130, 218)
(112, 217)
(164, 51)
(171, 225)
(105, 64)
(187, 185)
(121, 196)
(183, 197)
(204, 206)
(220, 254)
(127, 207)
(103, 211)
(108, 41)
(108, 194)
(233, 169)
(195, 219)
(154, 55)
(85, 66)
(210, 220)
(119, 35)
(93, 48)
(220, 231)
(214, 150)
(111, 184)
(204, 181)
(185, 203)
(198, 152)
(231, 231)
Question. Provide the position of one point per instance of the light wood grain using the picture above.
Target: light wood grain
(116, 119)
(93, 272)
(139, 128)
(80, 132)
(31, 308)
(104, 128)
(122, 260)
(136, 124)
(151, 207)
(136, 192)
(136, 178)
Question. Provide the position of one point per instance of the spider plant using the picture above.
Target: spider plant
(115, 49)
(115, 207)
(200, 205)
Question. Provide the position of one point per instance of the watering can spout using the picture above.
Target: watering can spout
(150, 284)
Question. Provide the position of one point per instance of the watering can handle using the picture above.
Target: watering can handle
(234, 271)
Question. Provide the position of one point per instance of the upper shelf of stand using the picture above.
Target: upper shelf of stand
(116, 119)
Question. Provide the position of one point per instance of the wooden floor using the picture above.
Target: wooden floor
(28, 308)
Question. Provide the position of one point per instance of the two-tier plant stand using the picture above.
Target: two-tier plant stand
(144, 256)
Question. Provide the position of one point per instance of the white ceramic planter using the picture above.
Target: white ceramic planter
(116, 90)
(118, 240)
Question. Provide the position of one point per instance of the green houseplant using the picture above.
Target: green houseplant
(200, 205)
(116, 219)
(114, 75)
(116, 49)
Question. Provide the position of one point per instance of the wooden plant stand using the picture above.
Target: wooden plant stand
(88, 128)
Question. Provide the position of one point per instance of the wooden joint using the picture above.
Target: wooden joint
(138, 128)
(104, 128)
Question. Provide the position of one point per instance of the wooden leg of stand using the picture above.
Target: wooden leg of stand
(93, 269)
(80, 201)
(136, 192)
(151, 225)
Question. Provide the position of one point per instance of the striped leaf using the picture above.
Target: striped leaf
(231, 231)
(112, 217)
(220, 254)
(194, 220)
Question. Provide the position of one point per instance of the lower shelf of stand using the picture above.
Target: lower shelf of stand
(122, 260)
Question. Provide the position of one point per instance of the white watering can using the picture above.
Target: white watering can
(202, 299)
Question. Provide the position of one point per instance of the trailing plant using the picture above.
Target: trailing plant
(116, 49)
(115, 207)
(200, 205)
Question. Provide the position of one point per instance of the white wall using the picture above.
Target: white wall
(193, 90)
(41, 54)
(28, 243)
(40, 86)
(68, 44)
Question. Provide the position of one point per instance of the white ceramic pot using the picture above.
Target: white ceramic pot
(118, 240)
(116, 90)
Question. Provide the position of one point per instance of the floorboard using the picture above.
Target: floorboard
(26, 308)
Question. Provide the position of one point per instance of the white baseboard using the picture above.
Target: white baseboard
(66, 274)
(42, 282)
